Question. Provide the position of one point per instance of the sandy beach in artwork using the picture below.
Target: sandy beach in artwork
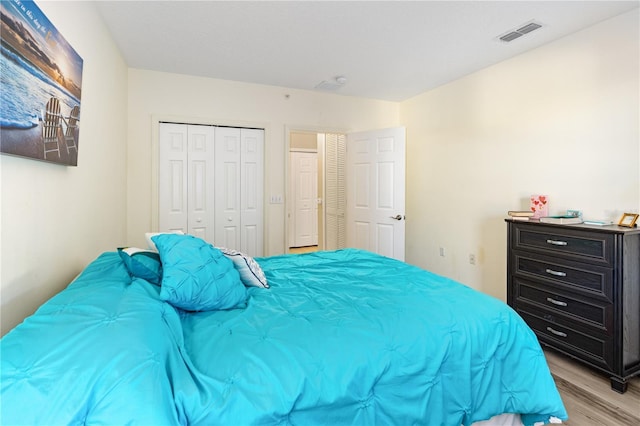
(28, 143)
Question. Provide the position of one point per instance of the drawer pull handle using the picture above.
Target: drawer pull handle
(556, 273)
(556, 302)
(556, 332)
(557, 242)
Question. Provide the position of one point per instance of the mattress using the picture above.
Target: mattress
(343, 337)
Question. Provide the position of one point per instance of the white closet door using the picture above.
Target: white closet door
(201, 182)
(335, 193)
(172, 179)
(252, 191)
(186, 179)
(211, 184)
(228, 188)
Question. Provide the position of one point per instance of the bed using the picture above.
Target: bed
(201, 336)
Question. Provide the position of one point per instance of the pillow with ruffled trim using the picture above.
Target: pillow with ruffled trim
(251, 274)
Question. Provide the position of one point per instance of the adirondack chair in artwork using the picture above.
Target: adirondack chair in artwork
(72, 125)
(51, 126)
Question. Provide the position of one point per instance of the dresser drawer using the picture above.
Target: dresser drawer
(595, 347)
(588, 311)
(579, 245)
(594, 281)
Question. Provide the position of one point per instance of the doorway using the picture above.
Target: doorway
(316, 191)
(365, 209)
(305, 193)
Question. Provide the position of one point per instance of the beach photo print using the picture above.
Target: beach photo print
(41, 87)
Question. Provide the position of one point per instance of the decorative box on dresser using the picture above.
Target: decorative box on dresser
(578, 288)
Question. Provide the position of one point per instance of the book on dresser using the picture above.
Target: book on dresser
(561, 220)
(520, 214)
(578, 289)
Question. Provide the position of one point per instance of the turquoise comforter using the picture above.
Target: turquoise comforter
(340, 338)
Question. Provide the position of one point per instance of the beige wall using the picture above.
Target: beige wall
(155, 95)
(561, 120)
(55, 219)
(303, 140)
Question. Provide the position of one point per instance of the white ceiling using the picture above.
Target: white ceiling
(390, 50)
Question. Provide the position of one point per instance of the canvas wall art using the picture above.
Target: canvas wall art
(41, 82)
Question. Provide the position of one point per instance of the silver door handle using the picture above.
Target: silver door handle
(396, 217)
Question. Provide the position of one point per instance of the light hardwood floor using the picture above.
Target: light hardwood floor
(588, 397)
(300, 250)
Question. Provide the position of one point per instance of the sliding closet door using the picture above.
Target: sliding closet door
(228, 188)
(252, 190)
(239, 189)
(201, 182)
(172, 179)
(186, 179)
(211, 184)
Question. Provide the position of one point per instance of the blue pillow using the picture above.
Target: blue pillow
(142, 263)
(197, 276)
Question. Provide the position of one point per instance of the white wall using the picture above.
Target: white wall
(55, 219)
(561, 120)
(195, 99)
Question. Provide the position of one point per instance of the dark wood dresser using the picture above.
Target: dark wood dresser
(578, 288)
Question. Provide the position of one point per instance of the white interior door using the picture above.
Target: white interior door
(201, 182)
(304, 188)
(228, 188)
(172, 178)
(186, 179)
(376, 191)
(252, 191)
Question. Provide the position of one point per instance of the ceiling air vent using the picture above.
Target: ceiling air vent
(328, 85)
(525, 29)
(334, 84)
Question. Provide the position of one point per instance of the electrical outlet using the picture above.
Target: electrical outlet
(472, 259)
(442, 252)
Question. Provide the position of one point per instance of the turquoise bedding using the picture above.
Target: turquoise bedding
(341, 338)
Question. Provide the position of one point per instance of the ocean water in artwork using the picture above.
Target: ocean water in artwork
(25, 92)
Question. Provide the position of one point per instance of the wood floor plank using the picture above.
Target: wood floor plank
(595, 383)
(584, 409)
(588, 396)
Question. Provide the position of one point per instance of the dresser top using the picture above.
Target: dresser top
(609, 229)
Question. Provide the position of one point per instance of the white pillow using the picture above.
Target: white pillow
(151, 244)
(251, 274)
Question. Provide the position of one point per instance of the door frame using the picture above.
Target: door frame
(156, 119)
(287, 148)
